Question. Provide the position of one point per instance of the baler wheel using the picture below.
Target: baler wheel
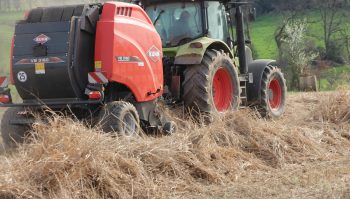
(169, 128)
(120, 117)
(273, 93)
(13, 134)
(212, 86)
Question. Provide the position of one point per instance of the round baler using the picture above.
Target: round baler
(100, 60)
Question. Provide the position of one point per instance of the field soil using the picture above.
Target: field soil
(305, 154)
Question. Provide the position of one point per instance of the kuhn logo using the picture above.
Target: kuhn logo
(154, 54)
(41, 39)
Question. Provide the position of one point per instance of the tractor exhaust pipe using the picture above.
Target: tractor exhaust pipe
(241, 38)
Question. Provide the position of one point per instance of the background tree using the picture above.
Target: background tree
(330, 11)
(296, 54)
(345, 36)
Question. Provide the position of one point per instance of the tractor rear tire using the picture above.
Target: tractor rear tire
(120, 117)
(13, 134)
(212, 86)
(273, 93)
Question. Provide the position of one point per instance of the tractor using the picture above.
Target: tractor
(101, 62)
(207, 65)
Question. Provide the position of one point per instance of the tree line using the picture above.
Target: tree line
(266, 6)
(291, 34)
(332, 15)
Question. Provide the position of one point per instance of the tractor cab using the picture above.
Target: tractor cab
(181, 22)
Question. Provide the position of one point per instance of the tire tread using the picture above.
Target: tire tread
(264, 109)
(196, 86)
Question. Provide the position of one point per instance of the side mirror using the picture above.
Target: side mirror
(252, 14)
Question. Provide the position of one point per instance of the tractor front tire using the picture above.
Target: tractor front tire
(120, 117)
(212, 86)
(13, 134)
(273, 93)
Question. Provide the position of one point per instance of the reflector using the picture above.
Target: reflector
(95, 95)
(4, 99)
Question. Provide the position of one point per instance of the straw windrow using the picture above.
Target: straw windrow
(65, 159)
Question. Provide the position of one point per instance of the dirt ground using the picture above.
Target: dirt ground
(325, 176)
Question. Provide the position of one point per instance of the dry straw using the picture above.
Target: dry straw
(65, 159)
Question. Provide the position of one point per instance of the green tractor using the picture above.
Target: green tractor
(201, 50)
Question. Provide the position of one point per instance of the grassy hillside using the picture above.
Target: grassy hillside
(264, 27)
(7, 21)
(263, 30)
(334, 78)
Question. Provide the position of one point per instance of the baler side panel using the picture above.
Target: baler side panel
(129, 50)
(68, 59)
(41, 85)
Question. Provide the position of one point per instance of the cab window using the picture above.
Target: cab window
(217, 21)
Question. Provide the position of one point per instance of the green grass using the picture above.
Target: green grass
(264, 27)
(7, 21)
(333, 78)
(263, 30)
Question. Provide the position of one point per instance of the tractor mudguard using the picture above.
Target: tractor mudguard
(257, 68)
(192, 53)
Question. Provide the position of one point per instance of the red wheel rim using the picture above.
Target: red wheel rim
(275, 94)
(222, 90)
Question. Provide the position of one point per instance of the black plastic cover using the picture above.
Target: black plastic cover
(52, 54)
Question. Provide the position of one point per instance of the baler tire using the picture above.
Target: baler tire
(35, 15)
(198, 83)
(12, 135)
(268, 108)
(169, 128)
(54, 14)
(113, 116)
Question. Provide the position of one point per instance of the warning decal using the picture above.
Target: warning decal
(40, 68)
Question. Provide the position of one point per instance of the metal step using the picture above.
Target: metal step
(243, 94)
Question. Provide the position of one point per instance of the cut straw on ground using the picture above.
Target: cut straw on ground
(65, 159)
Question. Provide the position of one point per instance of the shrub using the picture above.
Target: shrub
(296, 51)
(335, 53)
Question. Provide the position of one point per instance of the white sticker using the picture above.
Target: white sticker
(22, 76)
